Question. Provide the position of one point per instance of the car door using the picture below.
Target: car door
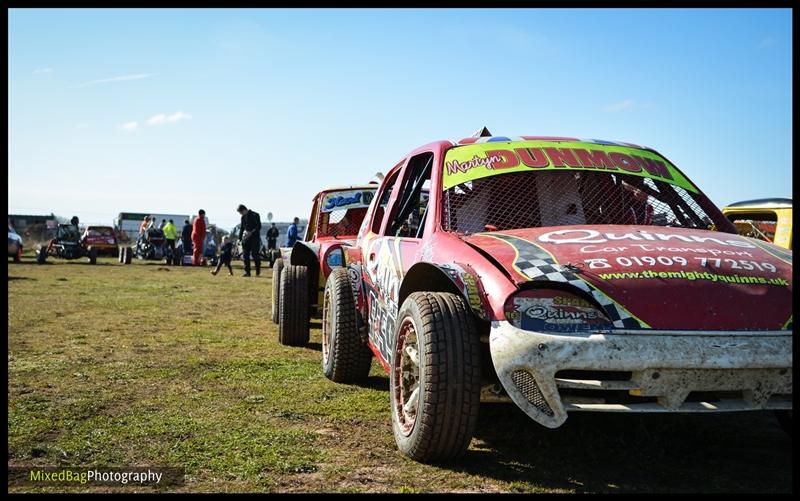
(390, 247)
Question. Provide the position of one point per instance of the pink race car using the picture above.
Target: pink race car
(336, 216)
(562, 274)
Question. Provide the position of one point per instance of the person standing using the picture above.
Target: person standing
(143, 226)
(186, 235)
(152, 223)
(143, 230)
(272, 237)
(198, 237)
(250, 236)
(170, 233)
(163, 223)
(291, 234)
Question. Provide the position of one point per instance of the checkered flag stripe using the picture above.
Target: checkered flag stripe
(537, 264)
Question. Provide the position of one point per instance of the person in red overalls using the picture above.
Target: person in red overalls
(198, 237)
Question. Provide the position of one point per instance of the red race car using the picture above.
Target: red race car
(562, 274)
(102, 238)
(336, 216)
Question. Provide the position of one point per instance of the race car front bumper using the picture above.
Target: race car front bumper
(642, 371)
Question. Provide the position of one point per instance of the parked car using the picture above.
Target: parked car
(102, 238)
(67, 244)
(768, 219)
(14, 244)
(336, 216)
(564, 275)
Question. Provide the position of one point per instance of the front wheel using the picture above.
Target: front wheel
(345, 356)
(434, 383)
(92, 255)
(293, 316)
(128, 255)
(276, 290)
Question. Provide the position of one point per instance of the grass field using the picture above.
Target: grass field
(144, 364)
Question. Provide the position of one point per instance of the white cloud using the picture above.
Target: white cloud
(130, 126)
(161, 118)
(117, 79)
(43, 71)
(82, 125)
(622, 105)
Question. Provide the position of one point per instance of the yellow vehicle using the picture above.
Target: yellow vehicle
(768, 219)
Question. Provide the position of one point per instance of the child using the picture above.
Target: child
(224, 256)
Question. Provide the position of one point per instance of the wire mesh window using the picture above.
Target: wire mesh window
(340, 222)
(559, 198)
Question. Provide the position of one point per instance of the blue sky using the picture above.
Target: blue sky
(169, 110)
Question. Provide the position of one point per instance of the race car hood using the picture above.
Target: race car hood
(655, 277)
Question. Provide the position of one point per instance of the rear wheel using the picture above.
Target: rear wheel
(345, 356)
(41, 255)
(276, 290)
(128, 255)
(92, 255)
(121, 255)
(293, 327)
(435, 377)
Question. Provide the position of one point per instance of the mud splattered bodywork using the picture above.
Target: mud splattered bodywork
(600, 276)
(655, 371)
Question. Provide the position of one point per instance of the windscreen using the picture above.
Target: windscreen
(99, 232)
(759, 225)
(532, 185)
(342, 212)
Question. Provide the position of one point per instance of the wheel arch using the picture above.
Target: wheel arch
(431, 277)
(306, 254)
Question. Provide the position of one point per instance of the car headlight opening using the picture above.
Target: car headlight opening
(555, 311)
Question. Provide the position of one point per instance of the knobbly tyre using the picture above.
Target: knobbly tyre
(299, 275)
(563, 274)
(67, 244)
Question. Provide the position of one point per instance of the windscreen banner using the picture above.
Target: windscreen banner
(476, 161)
(350, 199)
